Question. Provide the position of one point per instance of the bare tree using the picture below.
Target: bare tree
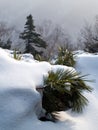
(88, 39)
(55, 36)
(5, 35)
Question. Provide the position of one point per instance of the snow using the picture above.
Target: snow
(20, 103)
(56, 67)
(88, 64)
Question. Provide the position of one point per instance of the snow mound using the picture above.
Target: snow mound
(20, 102)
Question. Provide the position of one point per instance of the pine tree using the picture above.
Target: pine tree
(32, 39)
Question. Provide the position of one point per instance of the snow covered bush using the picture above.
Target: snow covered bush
(64, 90)
(41, 58)
(65, 57)
(16, 56)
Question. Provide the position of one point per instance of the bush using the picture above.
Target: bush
(41, 58)
(65, 57)
(64, 90)
(16, 56)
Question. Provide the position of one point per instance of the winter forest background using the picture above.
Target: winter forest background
(67, 24)
(48, 64)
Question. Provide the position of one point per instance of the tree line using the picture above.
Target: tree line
(46, 38)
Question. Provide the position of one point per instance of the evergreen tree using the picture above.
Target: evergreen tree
(32, 39)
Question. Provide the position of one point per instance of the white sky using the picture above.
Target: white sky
(70, 13)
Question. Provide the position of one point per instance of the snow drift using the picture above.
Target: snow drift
(20, 103)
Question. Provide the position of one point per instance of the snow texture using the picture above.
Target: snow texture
(20, 103)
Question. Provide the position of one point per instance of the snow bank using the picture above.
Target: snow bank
(88, 64)
(20, 103)
(20, 73)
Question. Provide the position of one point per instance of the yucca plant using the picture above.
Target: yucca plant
(64, 90)
(42, 58)
(16, 56)
(65, 57)
(39, 57)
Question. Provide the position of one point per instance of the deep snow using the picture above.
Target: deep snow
(20, 102)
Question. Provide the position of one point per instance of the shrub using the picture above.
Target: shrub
(64, 90)
(65, 57)
(16, 56)
(40, 58)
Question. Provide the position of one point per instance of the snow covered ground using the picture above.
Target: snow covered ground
(20, 102)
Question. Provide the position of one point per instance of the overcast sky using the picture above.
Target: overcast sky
(70, 13)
